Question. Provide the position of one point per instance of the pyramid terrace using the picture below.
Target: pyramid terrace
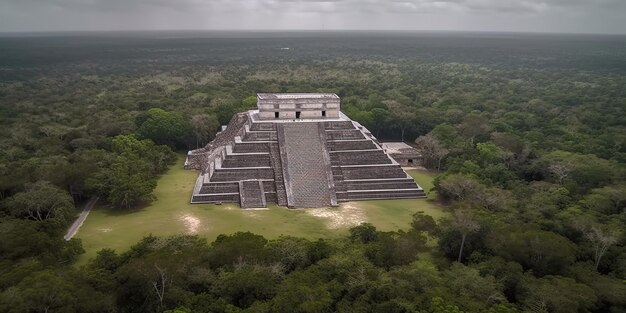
(296, 150)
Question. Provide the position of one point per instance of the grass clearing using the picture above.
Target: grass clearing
(425, 180)
(172, 214)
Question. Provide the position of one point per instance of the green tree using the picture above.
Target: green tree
(601, 240)
(42, 201)
(542, 251)
(474, 126)
(249, 102)
(126, 183)
(395, 248)
(241, 247)
(364, 233)
(556, 294)
(609, 289)
(42, 241)
(507, 273)
(303, 292)
(204, 127)
(47, 291)
(432, 151)
(163, 127)
(290, 252)
(438, 305)
(607, 200)
(379, 119)
(154, 273)
(247, 284)
(580, 172)
(445, 133)
(464, 222)
(157, 158)
(130, 177)
(471, 291)
(319, 250)
(224, 109)
(424, 223)
(489, 153)
(400, 116)
(457, 187)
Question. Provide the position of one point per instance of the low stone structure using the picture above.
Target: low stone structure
(404, 154)
(297, 105)
(296, 150)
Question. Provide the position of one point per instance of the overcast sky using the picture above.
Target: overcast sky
(572, 16)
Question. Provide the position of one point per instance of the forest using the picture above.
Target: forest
(527, 133)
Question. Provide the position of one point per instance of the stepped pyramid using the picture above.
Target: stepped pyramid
(299, 151)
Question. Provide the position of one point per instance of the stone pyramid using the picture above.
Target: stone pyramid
(299, 151)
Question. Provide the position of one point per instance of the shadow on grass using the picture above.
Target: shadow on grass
(109, 210)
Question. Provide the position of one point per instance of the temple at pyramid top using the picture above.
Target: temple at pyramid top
(298, 106)
(297, 150)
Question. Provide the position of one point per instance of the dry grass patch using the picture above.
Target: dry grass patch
(192, 223)
(344, 216)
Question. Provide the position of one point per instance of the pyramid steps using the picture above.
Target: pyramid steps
(280, 194)
(303, 158)
(251, 194)
(303, 164)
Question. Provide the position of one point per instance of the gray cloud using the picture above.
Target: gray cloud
(496, 15)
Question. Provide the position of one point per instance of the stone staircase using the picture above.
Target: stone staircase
(247, 160)
(305, 168)
(245, 175)
(281, 194)
(251, 194)
(361, 169)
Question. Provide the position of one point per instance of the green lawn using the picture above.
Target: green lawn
(172, 214)
(425, 180)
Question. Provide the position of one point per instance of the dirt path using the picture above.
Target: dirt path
(81, 219)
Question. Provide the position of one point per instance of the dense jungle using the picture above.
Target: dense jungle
(525, 132)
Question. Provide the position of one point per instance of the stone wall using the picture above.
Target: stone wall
(200, 158)
(292, 106)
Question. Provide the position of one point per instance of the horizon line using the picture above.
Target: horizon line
(326, 30)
